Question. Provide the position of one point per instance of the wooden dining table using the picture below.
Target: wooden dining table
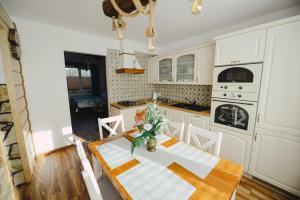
(165, 173)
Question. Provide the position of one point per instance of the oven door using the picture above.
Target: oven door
(234, 115)
(237, 77)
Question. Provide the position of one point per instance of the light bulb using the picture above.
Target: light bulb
(196, 6)
(120, 33)
(151, 44)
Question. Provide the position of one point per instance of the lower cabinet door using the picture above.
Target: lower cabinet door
(275, 158)
(199, 121)
(235, 147)
(176, 116)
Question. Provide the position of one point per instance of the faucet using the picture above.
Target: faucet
(191, 101)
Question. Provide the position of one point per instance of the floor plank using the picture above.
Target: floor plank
(58, 176)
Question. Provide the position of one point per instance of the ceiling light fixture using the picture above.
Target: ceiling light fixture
(117, 9)
(196, 6)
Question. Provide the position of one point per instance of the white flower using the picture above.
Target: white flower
(147, 127)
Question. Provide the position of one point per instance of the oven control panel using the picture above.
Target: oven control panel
(236, 88)
(242, 96)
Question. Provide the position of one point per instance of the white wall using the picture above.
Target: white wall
(208, 37)
(43, 49)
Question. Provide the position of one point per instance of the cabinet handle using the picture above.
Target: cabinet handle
(235, 61)
(255, 137)
(258, 117)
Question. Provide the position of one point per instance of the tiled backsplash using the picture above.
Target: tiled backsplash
(200, 93)
(127, 86)
(134, 87)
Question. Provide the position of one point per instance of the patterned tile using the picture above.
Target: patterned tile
(126, 86)
(200, 93)
(134, 87)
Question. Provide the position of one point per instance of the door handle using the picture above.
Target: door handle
(255, 137)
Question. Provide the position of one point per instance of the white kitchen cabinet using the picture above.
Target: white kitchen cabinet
(176, 115)
(186, 66)
(198, 121)
(275, 159)
(241, 48)
(235, 147)
(206, 61)
(193, 66)
(166, 72)
(153, 70)
(275, 156)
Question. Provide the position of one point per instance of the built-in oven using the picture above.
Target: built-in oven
(234, 115)
(241, 78)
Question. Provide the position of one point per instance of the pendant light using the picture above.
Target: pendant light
(196, 6)
(120, 34)
(151, 44)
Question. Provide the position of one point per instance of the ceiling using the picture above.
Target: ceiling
(173, 19)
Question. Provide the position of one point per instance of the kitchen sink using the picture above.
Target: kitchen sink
(188, 106)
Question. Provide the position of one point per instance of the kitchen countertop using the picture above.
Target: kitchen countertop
(205, 113)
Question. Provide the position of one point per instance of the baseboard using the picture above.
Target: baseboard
(274, 188)
(53, 151)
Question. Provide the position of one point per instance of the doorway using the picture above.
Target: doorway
(87, 92)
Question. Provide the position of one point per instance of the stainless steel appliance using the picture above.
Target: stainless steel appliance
(130, 103)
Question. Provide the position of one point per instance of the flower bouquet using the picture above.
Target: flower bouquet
(149, 122)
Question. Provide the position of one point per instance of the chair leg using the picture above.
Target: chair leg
(233, 195)
(97, 168)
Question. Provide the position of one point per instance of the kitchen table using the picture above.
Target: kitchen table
(174, 171)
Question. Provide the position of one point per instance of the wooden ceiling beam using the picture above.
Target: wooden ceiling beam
(125, 5)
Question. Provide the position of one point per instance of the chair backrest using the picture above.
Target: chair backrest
(204, 139)
(91, 185)
(80, 150)
(175, 129)
(114, 121)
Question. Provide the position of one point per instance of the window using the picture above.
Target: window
(72, 72)
(78, 79)
(85, 73)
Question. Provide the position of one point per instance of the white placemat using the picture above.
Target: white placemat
(151, 181)
(203, 162)
(196, 161)
(114, 155)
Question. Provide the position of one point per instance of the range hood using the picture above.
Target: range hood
(128, 63)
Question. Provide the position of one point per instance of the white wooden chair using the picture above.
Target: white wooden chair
(204, 139)
(175, 129)
(115, 121)
(80, 150)
(91, 185)
(94, 188)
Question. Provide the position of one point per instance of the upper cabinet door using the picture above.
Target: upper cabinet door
(185, 67)
(275, 152)
(206, 60)
(165, 70)
(278, 107)
(152, 70)
(243, 48)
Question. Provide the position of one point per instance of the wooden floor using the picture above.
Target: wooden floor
(58, 176)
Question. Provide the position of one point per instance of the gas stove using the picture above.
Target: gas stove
(130, 103)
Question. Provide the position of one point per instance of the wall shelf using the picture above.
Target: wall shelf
(130, 71)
